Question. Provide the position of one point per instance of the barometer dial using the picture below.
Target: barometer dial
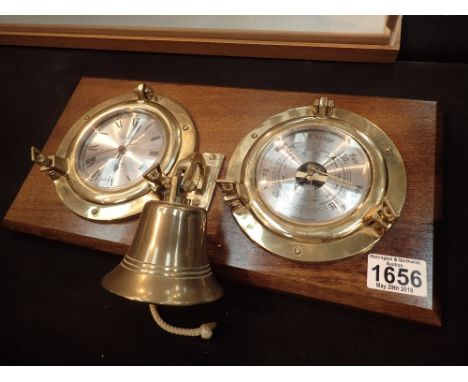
(313, 175)
(315, 183)
(118, 151)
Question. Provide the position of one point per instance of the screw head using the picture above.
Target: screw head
(254, 135)
(186, 127)
(195, 202)
(388, 149)
(86, 117)
(94, 210)
(297, 251)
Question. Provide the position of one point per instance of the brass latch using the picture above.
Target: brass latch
(54, 165)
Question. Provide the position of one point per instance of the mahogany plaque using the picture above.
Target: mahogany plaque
(223, 116)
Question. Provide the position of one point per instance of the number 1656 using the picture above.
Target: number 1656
(402, 277)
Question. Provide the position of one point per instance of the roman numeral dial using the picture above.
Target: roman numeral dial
(115, 154)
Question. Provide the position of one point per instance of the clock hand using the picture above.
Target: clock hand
(102, 152)
(132, 134)
(136, 141)
(116, 167)
(119, 159)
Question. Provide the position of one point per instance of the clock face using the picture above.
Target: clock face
(313, 175)
(118, 151)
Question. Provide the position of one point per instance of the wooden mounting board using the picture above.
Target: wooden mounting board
(223, 116)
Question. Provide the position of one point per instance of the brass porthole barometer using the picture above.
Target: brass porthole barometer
(100, 166)
(315, 183)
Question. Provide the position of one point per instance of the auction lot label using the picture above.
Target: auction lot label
(397, 274)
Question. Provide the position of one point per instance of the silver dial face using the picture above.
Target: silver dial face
(313, 174)
(119, 150)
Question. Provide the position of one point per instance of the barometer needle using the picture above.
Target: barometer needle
(332, 158)
(334, 177)
(304, 174)
(300, 183)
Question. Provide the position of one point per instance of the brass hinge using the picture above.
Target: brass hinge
(383, 218)
(54, 165)
(229, 188)
(323, 107)
(144, 92)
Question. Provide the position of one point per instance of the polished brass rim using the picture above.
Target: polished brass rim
(351, 235)
(97, 204)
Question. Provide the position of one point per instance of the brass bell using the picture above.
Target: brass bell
(167, 262)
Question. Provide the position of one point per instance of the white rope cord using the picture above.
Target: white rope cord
(204, 330)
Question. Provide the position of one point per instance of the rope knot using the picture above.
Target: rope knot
(204, 330)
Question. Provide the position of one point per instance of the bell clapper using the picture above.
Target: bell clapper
(205, 330)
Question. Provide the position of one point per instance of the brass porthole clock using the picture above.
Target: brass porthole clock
(315, 183)
(99, 167)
